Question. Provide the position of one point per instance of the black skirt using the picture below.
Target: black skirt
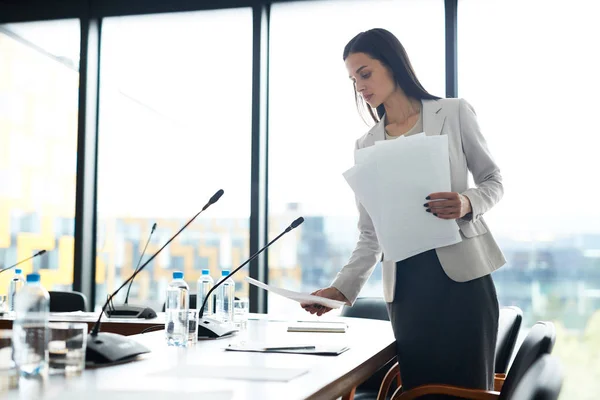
(445, 330)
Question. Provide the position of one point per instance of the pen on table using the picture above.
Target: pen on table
(290, 348)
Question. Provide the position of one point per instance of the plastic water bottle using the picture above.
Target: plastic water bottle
(225, 296)
(16, 283)
(178, 299)
(30, 329)
(205, 283)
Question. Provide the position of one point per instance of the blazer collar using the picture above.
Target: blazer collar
(433, 117)
(433, 121)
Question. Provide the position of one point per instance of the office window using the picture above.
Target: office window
(175, 126)
(530, 70)
(313, 124)
(39, 80)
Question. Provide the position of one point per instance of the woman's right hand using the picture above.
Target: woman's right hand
(329, 293)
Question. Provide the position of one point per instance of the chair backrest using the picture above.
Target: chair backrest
(367, 307)
(509, 325)
(542, 381)
(539, 341)
(67, 301)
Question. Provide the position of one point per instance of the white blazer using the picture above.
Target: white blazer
(477, 254)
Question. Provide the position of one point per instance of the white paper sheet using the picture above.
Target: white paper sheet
(363, 155)
(299, 297)
(363, 181)
(367, 154)
(391, 181)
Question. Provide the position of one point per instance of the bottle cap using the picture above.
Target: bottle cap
(18, 271)
(205, 272)
(32, 278)
(225, 272)
(177, 275)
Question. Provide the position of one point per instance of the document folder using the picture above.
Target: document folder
(319, 350)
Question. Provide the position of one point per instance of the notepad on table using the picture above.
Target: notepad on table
(316, 326)
(319, 350)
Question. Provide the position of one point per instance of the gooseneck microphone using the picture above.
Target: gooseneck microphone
(39, 253)
(104, 347)
(215, 197)
(208, 327)
(132, 311)
(139, 262)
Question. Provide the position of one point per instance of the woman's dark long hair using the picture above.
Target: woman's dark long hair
(382, 45)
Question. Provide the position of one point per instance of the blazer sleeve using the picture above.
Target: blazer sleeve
(486, 174)
(367, 252)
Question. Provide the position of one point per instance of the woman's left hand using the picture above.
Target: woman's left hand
(448, 205)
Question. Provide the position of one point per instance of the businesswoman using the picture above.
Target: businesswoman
(442, 303)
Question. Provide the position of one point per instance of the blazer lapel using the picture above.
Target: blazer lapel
(433, 117)
(376, 133)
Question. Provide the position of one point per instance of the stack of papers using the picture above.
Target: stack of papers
(391, 180)
(317, 326)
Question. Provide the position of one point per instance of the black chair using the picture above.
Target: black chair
(543, 380)
(509, 325)
(370, 308)
(367, 307)
(67, 301)
(538, 342)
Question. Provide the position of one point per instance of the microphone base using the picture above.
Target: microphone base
(108, 348)
(129, 311)
(211, 328)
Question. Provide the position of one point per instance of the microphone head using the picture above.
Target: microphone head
(297, 222)
(216, 196)
(153, 228)
(40, 252)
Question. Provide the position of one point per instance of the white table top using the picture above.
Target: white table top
(168, 371)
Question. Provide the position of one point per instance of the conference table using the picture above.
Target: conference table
(122, 326)
(207, 371)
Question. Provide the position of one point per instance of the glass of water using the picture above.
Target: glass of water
(192, 326)
(177, 328)
(67, 342)
(3, 304)
(241, 308)
(8, 370)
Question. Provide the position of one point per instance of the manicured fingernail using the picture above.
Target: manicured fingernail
(426, 205)
(435, 214)
(427, 198)
(428, 210)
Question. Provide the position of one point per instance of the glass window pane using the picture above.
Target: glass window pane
(39, 89)
(175, 126)
(533, 81)
(313, 125)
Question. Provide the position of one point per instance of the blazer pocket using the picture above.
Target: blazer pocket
(471, 228)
